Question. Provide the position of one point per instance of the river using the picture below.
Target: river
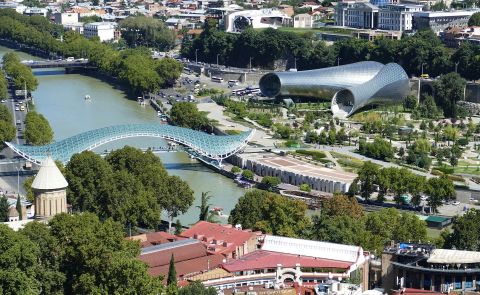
(60, 98)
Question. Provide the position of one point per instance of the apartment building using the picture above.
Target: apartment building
(397, 17)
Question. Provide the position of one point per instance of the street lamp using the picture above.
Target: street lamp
(456, 66)
(295, 63)
(338, 61)
(422, 66)
(196, 59)
(250, 63)
(217, 58)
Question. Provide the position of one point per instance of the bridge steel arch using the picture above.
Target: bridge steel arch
(211, 146)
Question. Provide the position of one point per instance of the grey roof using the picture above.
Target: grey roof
(49, 176)
(168, 246)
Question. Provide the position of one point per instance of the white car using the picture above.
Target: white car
(456, 203)
(17, 109)
(3, 100)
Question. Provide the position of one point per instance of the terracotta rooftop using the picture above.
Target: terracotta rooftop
(218, 238)
(191, 257)
(262, 259)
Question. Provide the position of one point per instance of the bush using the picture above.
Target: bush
(304, 187)
(455, 178)
(445, 169)
(314, 154)
(236, 169)
(463, 141)
(248, 174)
(437, 172)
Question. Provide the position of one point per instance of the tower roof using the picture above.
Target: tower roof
(49, 176)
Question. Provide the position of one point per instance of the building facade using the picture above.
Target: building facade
(361, 15)
(303, 20)
(440, 20)
(397, 17)
(105, 31)
(424, 267)
(257, 19)
(66, 18)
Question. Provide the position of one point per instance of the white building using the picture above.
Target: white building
(361, 15)
(66, 18)
(36, 11)
(103, 30)
(77, 27)
(19, 8)
(440, 20)
(397, 17)
(265, 18)
(303, 20)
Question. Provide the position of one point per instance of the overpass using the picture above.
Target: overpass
(46, 64)
(210, 146)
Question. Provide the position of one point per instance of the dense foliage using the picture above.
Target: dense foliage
(129, 186)
(37, 129)
(21, 74)
(186, 114)
(465, 233)
(270, 213)
(266, 46)
(74, 254)
(378, 149)
(136, 68)
(7, 129)
(146, 31)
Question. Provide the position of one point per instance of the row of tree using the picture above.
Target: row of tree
(7, 127)
(263, 47)
(135, 68)
(399, 182)
(21, 75)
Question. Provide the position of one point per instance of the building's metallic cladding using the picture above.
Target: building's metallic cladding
(350, 86)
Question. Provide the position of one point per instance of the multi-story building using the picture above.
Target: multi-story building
(397, 17)
(103, 30)
(35, 11)
(66, 18)
(303, 20)
(362, 15)
(265, 18)
(440, 20)
(423, 267)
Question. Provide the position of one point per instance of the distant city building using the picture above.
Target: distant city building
(440, 20)
(77, 27)
(303, 20)
(362, 15)
(50, 190)
(19, 8)
(454, 37)
(36, 11)
(105, 31)
(423, 267)
(383, 3)
(265, 18)
(397, 17)
(66, 18)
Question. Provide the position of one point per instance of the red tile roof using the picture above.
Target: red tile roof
(261, 259)
(218, 238)
(156, 238)
(189, 267)
(182, 253)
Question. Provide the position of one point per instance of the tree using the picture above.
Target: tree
(474, 20)
(3, 208)
(379, 149)
(340, 205)
(7, 129)
(37, 129)
(172, 273)
(465, 233)
(236, 170)
(439, 189)
(248, 174)
(271, 181)
(410, 102)
(18, 206)
(178, 227)
(270, 213)
(204, 206)
(197, 288)
(449, 89)
(146, 31)
(186, 114)
(169, 70)
(176, 198)
(367, 176)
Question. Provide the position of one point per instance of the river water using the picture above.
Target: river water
(60, 98)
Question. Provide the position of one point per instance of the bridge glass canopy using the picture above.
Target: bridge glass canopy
(211, 146)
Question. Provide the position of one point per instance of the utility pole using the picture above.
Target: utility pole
(217, 59)
(422, 67)
(338, 61)
(456, 66)
(196, 59)
(250, 63)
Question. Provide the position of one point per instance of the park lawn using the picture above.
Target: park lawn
(473, 170)
(349, 163)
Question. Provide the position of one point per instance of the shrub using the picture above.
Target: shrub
(437, 172)
(455, 178)
(248, 174)
(304, 187)
(236, 169)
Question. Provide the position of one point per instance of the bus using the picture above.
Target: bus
(217, 79)
(232, 83)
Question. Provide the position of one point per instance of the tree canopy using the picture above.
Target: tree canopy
(37, 129)
(7, 129)
(270, 213)
(474, 20)
(147, 31)
(449, 89)
(186, 114)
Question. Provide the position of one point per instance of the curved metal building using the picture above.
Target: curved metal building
(350, 86)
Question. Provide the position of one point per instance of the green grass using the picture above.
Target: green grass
(349, 163)
(473, 170)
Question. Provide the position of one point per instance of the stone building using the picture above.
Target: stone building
(50, 190)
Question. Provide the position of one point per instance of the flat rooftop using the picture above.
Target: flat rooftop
(304, 168)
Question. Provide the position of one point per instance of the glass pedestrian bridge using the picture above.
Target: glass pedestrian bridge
(211, 146)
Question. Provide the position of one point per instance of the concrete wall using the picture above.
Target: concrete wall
(316, 183)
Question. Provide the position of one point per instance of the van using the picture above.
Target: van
(232, 83)
(22, 108)
(71, 58)
(19, 122)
